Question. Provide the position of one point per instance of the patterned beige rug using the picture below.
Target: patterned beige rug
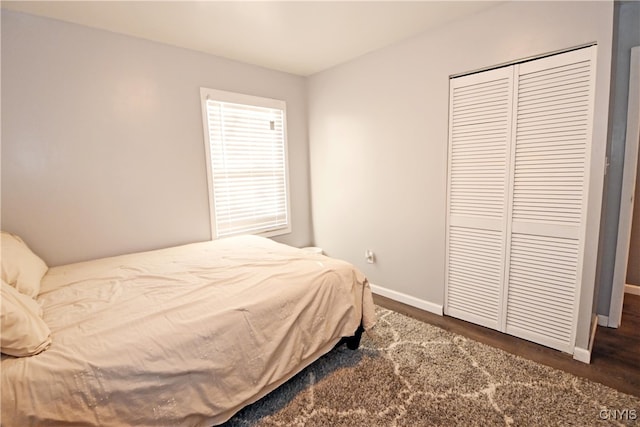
(415, 374)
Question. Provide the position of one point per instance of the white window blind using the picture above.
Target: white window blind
(247, 163)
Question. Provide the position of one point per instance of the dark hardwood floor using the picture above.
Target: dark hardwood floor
(615, 358)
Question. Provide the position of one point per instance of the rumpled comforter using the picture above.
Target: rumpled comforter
(181, 336)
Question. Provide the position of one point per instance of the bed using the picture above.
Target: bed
(184, 336)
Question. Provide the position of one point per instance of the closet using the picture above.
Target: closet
(519, 144)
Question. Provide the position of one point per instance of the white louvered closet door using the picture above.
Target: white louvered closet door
(519, 144)
(479, 134)
(550, 163)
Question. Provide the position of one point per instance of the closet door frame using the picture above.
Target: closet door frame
(627, 201)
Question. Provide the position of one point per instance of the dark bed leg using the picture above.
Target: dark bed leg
(354, 342)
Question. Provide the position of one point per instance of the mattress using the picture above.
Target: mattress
(181, 336)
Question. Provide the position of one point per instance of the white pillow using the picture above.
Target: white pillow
(24, 333)
(21, 268)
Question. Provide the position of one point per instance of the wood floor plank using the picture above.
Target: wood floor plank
(615, 358)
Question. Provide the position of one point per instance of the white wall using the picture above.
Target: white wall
(102, 139)
(102, 148)
(378, 139)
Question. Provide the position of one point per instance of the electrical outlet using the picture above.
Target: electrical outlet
(369, 256)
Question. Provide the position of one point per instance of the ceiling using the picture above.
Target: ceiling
(299, 37)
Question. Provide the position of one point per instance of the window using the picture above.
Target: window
(246, 146)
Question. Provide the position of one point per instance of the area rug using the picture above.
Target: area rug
(414, 374)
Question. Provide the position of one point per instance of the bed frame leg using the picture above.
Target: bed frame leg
(354, 342)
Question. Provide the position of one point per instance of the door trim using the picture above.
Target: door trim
(628, 189)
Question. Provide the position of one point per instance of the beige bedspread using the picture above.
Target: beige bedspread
(181, 336)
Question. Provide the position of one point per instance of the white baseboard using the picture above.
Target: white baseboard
(407, 299)
(603, 320)
(632, 289)
(582, 355)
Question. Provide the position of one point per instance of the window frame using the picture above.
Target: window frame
(255, 101)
